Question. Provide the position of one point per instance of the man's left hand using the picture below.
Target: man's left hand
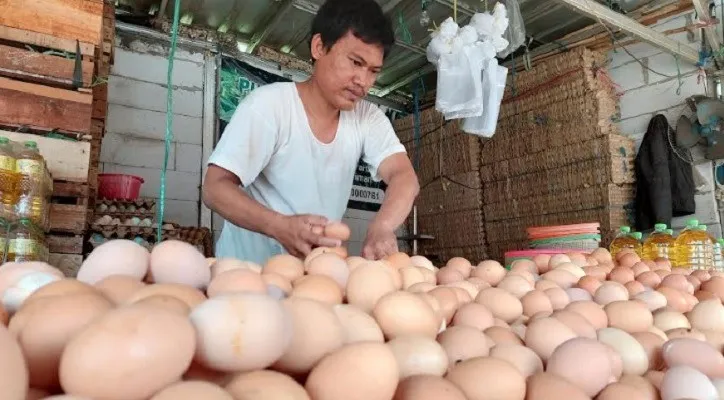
(380, 242)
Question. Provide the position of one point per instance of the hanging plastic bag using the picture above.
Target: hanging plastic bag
(459, 83)
(515, 34)
(494, 77)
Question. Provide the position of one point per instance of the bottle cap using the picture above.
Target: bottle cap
(692, 222)
(670, 232)
(625, 229)
(701, 228)
(637, 235)
(4, 140)
(721, 241)
(31, 144)
(660, 227)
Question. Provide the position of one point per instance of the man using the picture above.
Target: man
(285, 164)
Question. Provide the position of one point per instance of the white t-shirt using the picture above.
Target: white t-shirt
(269, 145)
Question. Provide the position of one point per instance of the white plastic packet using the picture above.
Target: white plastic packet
(460, 84)
(515, 32)
(493, 77)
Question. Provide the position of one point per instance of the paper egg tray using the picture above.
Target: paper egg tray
(441, 196)
(453, 229)
(146, 203)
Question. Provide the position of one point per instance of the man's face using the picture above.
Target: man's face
(347, 70)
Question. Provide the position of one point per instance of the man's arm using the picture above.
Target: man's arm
(222, 194)
(402, 189)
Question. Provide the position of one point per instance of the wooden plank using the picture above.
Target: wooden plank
(70, 189)
(69, 264)
(67, 19)
(68, 218)
(42, 68)
(46, 41)
(43, 107)
(67, 160)
(65, 244)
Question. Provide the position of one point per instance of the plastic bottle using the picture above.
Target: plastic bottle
(659, 244)
(718, 255)
(24, 242)
(623, 240)
(670, 232)
(638, 247)
(8, 179)
(32, 186)
(683, 250)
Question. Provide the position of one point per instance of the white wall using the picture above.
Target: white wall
(136, 125)
(647, 94)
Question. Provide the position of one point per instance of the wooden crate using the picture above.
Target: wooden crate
(44, 108)
(66, 19)
(65, 244)
(69, 218)
(67, 160)
(26, 65)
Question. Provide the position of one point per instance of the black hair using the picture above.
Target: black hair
(364, 18)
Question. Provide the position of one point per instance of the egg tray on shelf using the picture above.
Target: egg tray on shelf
(127, 220)
(125, 231)
(201, 238)
(147, 203)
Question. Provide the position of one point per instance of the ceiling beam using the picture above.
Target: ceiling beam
(428, 68)
(709, 31)
(603, 14)
(275, 19)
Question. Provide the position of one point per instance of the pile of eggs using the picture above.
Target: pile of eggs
(170, 324)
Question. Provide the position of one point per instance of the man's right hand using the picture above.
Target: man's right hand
(300, 233)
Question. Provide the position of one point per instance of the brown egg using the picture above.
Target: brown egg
(695, 283)
(621, 275)
(359, 371)
(516, 285)
(662, 273)
(629, 316)
(534, 302)
(653, 299)
(652, 344)
(448, 300)
(590, 311)
(421, 261)
(13, 367)
(674, 299)
(358, 326)
(629, 260)
(128, 350)
(427, 387)
(695, 354)
(527, 266)
(403, 314)
(197, 372)
(468, 287)
(596, 272)
(317, 251)
(678, 282)
(463, 343)
(479, 283)
(584, 362)
(399, 260)
(461, 265)
(488, 378)
(521, 357)
(558, 297)
(166, 302)
(474, 315)
(236, 281)
(4, 316)
(490, 271)
(330, 265)
(317, 332)
(449, 275)
(318, 287)
(609, 292)
(577, 259)
(265, 385)
(634, 288)
(545, 285)
(285, 265)
(174, 261)
(502, 304)
(116, 257)
(649, 279)
(419, 355)
(715, 339)
(545, 334)
(368, 283)
(429, 275)
(576, 322)
(640, 268)
(192, 391)
(189, 295)
(702, 295)
(667, 320)
(589, 284)
(708, 315)
(119, 288)
(44, 327)
(602, 255)
(560, 277)
(701, 275)
(337, 230)
(683, 333)
(277, 280)
(616, 391)
(422, 287)
(501, 335)
(544, 386)
(355, 261)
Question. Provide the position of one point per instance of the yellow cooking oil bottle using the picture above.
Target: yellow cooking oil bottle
(708, 242)
(659, 244)
(639, 243)
(24, 242)
(624, 240)
(691, 249)
(718, 254)
(31, 199)
(8, 179)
